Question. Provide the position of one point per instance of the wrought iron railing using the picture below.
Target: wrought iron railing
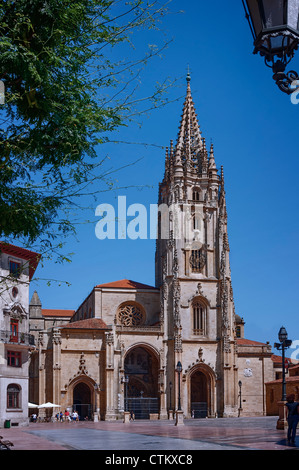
(19, 338)
(142, 407)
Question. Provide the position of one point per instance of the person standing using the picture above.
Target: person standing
(293, 417)
(67, 415)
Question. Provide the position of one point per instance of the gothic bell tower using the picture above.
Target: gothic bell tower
(193, 272)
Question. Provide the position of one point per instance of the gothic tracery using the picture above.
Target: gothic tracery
(131, 314)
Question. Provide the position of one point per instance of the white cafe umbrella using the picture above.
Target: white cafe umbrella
(32, 405)
(48, 405)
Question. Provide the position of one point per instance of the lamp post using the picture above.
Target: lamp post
(170, 392)
(283, 344)
(240, 395)
(275, 29)
(179, 369)
(179, 413)
(95, 414)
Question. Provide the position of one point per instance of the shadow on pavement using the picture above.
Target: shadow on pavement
(285, 442)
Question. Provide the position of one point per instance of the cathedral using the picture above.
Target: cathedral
(178, 345)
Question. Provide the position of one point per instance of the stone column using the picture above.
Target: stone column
(96, 412)
(162, 385)
(229, 382)
(56, 341)
(110, 408)
(42, 374)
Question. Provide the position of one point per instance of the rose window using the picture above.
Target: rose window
(131, 315)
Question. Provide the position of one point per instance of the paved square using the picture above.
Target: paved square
(203, 434)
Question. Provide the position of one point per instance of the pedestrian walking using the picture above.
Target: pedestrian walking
(67, 416)
(293, 417)
(75, 416)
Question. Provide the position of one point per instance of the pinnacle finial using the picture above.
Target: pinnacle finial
(188, 78)
(212, 163)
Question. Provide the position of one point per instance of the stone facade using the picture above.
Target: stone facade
(121, 348)
(255, 367)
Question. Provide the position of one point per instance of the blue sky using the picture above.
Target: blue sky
(254, 128)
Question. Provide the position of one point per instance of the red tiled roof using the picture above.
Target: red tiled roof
(88, 324)
(126, 284)
(278, 359)
(47, 312)
(22, 253)
(293, 378)
(249, 342)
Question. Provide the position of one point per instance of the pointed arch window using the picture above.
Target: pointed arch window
(199, 312)
(196, 195)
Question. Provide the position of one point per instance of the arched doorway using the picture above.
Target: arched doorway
(82, 401)
(141, 394)
(199, 395)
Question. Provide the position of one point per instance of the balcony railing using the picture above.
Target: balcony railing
(20, 338)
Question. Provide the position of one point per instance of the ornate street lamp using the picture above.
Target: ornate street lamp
(179, 369)
(275, 28)
(170, 392)
(240, 396)
(96, 388)
(283, 345)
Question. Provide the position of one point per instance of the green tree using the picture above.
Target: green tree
(63, 96)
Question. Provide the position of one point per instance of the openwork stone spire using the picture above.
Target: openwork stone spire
(189, 141)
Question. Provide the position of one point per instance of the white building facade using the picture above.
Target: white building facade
(17, 266)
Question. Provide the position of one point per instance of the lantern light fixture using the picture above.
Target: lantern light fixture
(275, 28)
(283, 344)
